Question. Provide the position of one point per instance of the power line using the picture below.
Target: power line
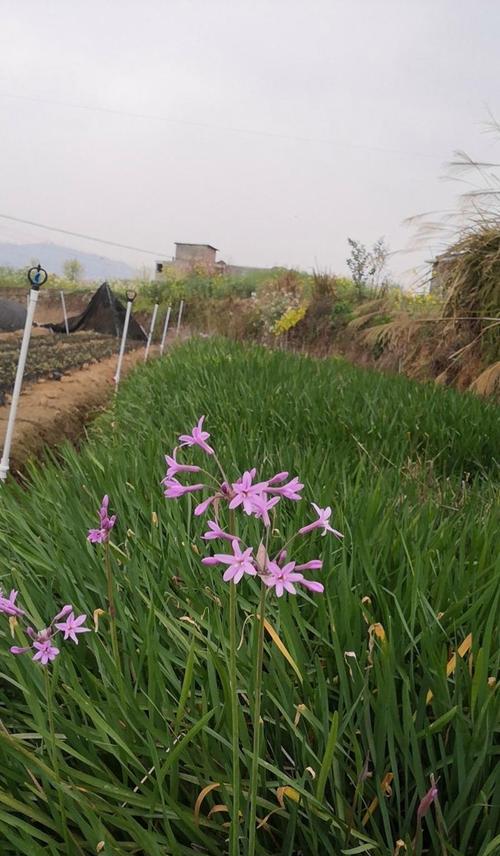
(225, 128)
(86, 237)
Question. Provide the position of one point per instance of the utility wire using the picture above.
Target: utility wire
(158, 254)
(218, 127)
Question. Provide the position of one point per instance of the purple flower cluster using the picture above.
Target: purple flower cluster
(8, 604)
(256, 498)
(275, 573)
(101, 535)
(42, 641)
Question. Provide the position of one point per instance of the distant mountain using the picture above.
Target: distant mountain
(52, 257)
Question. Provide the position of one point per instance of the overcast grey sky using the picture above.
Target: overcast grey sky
(270, 128)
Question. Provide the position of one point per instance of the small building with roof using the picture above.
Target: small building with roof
(189, 256)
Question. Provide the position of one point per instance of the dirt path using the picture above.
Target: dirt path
(51, 411)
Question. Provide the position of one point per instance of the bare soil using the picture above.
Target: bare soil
(52, 355)
(51, 411)
(68, 380)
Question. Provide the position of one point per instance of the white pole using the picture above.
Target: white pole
(37, 279)
(165, 328)
(181, 307)
(150, 337)
(130, 300)
(64, 313)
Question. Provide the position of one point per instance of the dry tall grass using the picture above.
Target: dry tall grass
(472, 286)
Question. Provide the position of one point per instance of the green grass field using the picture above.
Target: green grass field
(349, 727)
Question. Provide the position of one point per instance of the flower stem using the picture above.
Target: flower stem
(235, 739)
(221, 469)
(111, 608)
(210, 476)
(252, 820)
(286, 545)
(55, 757)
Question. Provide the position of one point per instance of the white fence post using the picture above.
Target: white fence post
(181, 307)
(37, 276)
(150, 336)
(165, 329)
(64, 313)
(130, 299)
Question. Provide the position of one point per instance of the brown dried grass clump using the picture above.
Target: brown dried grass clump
(362, 321)
(394, 334)
(488, 382)
(371, 307)
(371, 313)
(472, 284)
(324, 286)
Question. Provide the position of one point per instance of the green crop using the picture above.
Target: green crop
(54, 354)
(357, 706)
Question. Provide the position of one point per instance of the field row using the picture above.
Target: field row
(365, 701)
(52, 355)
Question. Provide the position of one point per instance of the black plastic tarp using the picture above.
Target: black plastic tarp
(12, 315)
(104, 314)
